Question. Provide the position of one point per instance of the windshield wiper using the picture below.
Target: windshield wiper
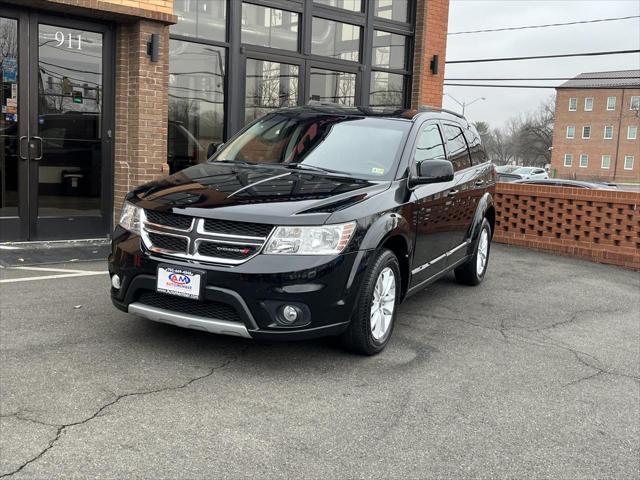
(241, 162)
(302, 166)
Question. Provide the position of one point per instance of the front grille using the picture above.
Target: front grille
(225, 250)
(205, 240)
(172, 220)
(228, 227)
(208, 309)
(169, 242)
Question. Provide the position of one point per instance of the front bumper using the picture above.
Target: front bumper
(243, 300)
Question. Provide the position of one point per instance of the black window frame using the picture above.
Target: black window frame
(237, 53)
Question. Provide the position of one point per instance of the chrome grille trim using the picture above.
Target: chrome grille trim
(196, 235)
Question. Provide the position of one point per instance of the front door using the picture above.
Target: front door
(433, 209)
(56, 126)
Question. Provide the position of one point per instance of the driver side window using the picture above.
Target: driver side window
(430, 145)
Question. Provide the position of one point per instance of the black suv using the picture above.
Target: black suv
(312, 221)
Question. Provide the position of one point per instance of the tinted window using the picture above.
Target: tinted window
(475, 146)
(335, 39)
(203, 19)
(269, 27)
(430, 145)
(196, 102)
(363, 147)
(457, 147)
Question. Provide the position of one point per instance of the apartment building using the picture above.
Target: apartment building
(99, 96)
(596, 127)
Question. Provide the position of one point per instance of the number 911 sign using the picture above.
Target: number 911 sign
(73, 42)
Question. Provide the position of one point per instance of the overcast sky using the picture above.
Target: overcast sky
(503, 103)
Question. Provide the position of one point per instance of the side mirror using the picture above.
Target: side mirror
(213, 148)
(433, 171)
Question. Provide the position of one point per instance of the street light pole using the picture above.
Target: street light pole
(464, 104)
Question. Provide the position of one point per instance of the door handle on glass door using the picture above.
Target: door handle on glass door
(20, 151)
(40, 152)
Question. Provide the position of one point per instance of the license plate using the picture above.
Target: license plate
(181, 282)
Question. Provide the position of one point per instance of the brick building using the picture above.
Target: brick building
(99, 96)
(596, 127)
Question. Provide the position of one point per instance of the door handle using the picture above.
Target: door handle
(480, 182)
(452, 193)
(20, 150)
(40, 152)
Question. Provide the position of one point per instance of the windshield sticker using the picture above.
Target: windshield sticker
(377, 170)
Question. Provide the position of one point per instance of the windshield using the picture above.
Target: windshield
(362, 147)
(523, 170)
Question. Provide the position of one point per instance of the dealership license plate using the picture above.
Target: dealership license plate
(181, 282)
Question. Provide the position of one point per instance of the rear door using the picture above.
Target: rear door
(473, 175)
(463, 196)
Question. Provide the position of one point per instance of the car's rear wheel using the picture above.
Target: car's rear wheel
(473, 271)
(373, 320)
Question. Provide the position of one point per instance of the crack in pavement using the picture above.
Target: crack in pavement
(18, 415)
(579, 355)
(64, 427)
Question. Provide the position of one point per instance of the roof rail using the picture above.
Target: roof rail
(427, 108)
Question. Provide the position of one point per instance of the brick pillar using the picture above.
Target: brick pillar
(432, 21)
(141, 107)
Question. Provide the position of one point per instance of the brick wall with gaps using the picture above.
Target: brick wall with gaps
(598, 225)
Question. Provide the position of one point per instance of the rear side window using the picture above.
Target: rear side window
(457, 147)
(475, 146)
(430, 145)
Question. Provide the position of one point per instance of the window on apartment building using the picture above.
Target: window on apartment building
(635, 103)
(588, 104)
(571, 131)
(608, 132)
(632, 132)
(628, 162)
(586, 131)
(611, 103)
(573, 104)
(568, 159)
(584, 160)
(606, 161)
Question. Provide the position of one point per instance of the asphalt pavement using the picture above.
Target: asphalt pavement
(535, 373)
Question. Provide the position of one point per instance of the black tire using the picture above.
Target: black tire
(359, 337)
(467, 273)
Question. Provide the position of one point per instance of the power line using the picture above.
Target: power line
(535, 79)
(524, 27)
(496, 86)
(564, 55)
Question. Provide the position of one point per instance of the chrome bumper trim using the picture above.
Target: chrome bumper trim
(184, 320)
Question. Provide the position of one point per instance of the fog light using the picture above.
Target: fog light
(115, 282)
(289, 314)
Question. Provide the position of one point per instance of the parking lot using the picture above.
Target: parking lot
(533, 374)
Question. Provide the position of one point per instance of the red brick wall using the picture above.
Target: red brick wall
(596, 146)
(141, 108)
(598, 225)
(432, 22)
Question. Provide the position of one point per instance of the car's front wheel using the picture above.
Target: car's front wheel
(373, 320)
(473, 271)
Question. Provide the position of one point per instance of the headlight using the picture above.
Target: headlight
(130, 218)
(317, 240)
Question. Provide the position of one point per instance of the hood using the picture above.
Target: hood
(255, 193)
